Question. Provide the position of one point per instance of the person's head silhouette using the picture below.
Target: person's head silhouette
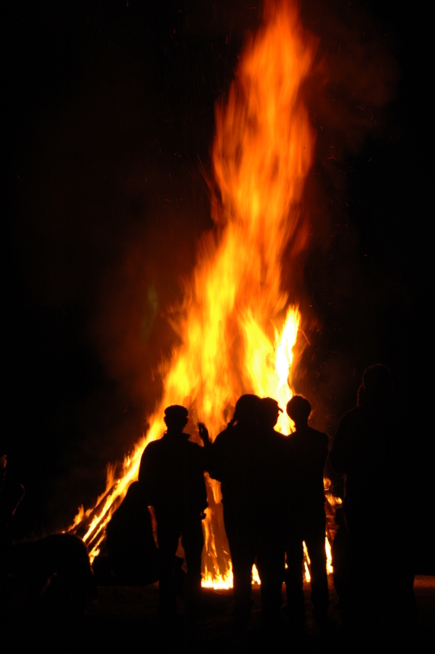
(269, 412)
(247, 410)
(299, 409)
(176, 417)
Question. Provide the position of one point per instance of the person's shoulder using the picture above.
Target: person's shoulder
(294, 437)
(319, 435)
(193, 447)
(153, 448)
(225, 435)
(277, 441)
(353, 416)
(157, 444)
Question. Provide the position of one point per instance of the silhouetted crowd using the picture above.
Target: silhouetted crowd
(273, 502)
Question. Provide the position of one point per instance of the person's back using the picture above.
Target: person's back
(130, 543)
(271, 457)
(270, 482)
(306, 455)
(234, 462)
(171, 477)
(370, 450)
(307, 451)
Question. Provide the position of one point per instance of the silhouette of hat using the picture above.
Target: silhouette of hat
(268, 403)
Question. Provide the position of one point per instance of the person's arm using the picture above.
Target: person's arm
(207, 450)
(204, 435)
(215, 457)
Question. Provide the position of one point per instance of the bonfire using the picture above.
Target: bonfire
(239, 331)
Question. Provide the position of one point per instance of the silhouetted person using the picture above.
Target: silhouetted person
(270, 481)
(340, 551)
(307, 453)
(171, 476)
(234, 462)
(370, 449)
(132, 551)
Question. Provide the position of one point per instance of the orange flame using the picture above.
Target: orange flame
(237, 331)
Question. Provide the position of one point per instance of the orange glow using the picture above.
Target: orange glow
(307, 563)
(329, 568)
(237, 330)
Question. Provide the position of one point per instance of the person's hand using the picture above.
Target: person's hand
(203, 433)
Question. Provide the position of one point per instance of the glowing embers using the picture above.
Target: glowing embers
(226, 582)
(218, 582)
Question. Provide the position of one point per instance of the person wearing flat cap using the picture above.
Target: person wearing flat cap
(171, 476)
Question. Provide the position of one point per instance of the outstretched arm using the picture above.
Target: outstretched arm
(204, 435)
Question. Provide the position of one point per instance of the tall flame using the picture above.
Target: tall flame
(236, 329)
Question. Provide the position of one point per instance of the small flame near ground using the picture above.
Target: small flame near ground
(237, 329)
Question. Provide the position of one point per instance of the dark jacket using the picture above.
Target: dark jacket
(307, 451)
(271, 476)
(369, 449)
(172, 477)
(233, 462)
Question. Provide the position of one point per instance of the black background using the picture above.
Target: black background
(110, 119)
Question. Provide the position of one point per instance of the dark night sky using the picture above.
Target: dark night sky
(110, 121)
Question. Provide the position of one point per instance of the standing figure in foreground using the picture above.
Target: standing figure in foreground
(370, 449)
(172, 478)
(272, 447)
(234, 462)
(306, 521)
